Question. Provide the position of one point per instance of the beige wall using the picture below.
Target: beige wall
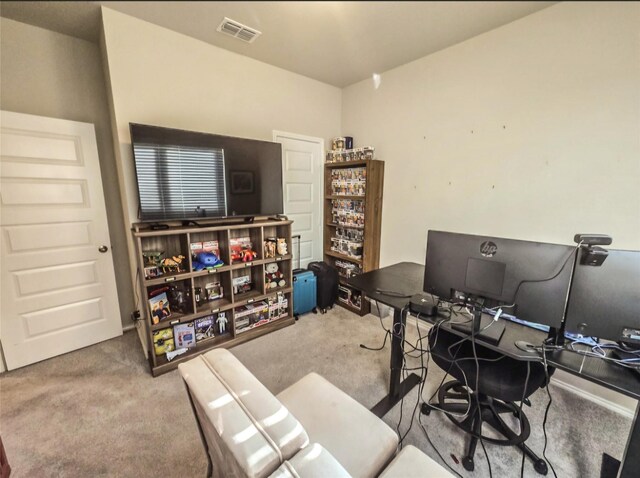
(530, 131)
(48, 74)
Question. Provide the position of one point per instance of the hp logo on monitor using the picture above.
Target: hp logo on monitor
(488, 249)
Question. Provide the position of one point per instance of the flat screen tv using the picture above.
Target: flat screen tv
(188, 175)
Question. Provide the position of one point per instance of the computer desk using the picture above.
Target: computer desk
(406, 279)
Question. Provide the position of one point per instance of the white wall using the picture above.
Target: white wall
(49, 74)
(529, 131)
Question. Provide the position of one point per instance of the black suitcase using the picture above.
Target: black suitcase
(327, 284)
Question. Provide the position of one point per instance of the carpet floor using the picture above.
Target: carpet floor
(98, 412)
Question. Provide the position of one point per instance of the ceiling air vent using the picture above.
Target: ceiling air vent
(238, 30)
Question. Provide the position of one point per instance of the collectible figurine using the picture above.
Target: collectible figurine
(172, 264)
(173, 354)
(222, 322)
(282, 246)
(270, 247)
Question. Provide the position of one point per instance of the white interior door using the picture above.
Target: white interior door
(303, 174)
(58, 284)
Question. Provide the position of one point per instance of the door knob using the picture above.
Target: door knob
(103, 249)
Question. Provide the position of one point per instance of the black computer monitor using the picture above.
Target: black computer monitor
(605, 300)
(533, 275)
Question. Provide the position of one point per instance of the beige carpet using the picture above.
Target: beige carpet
(98, 412)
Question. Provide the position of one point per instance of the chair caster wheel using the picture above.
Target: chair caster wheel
(296, 317)
(541, 467)
(467, 462)
(425, 409)
(315, 310)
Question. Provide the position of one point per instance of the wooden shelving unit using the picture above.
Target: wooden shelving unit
(187, 282)
(360, 216)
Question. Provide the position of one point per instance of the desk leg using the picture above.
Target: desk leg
(630, 464)
(397, 389)
(631, 459)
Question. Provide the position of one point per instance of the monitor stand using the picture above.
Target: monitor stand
(491, 335)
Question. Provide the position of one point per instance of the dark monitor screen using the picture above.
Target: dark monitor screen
(606, 299)
(533, 275)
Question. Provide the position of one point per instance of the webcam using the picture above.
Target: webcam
(593, 239)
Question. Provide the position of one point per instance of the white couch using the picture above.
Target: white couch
(311, 429)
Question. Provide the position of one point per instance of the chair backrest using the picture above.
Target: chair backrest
(247, 431)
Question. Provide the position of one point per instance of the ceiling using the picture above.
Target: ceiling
(338, 43)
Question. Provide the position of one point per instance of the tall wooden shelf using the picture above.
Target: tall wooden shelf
(177, 240)
(371, 200)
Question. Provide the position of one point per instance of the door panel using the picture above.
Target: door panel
(302, 164)
(58, 290)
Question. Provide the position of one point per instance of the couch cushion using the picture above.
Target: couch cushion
(249, 421)
(412, 463)
(359, 440)
(311, 462)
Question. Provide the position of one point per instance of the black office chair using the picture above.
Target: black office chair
(501, 383)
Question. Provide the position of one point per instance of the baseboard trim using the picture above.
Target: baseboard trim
(127, 328)
(603, 402)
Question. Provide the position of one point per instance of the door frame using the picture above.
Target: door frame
(320, 193)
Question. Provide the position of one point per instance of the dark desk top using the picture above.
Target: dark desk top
(406, 278)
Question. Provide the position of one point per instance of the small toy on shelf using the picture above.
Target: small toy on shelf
(270, 246)
(282, 248)
(245, 255)
(222, 322)
(242, 250)
(206, 260)
(152, 258)
(248, 255)
(172, 264)
(175, 353)
(273, 277)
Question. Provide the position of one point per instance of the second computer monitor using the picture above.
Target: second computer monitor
(605, 299)
(533, 275)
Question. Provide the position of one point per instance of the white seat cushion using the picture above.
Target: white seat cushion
(360, 441)
(249, 432)
(412, 463)
(312, 462)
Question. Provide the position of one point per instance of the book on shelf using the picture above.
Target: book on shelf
(184, 335)
(159, 307)
(205, 327)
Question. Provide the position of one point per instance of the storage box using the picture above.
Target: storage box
(248, 316)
